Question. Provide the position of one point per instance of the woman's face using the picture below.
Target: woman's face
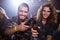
(46, 12)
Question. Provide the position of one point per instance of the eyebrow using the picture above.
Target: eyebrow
(44, 10)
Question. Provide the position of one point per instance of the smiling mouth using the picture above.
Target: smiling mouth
(22, 15)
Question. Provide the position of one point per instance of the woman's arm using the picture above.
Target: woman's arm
(49, 37)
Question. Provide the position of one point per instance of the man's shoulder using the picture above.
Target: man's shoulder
(14, 18)
(10, 20)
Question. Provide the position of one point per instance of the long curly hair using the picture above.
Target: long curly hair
(3, 13)
(52, 17)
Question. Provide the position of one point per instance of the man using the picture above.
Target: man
(16, 27)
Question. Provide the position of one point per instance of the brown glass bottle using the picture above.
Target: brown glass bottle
(35, 27)
(29, 22)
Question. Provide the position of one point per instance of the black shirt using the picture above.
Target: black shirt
(47, 29)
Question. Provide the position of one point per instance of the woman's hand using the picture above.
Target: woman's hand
(34, 32)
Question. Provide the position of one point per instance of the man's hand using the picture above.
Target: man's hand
(22, 27)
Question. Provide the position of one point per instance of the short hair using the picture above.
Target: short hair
(23, 4)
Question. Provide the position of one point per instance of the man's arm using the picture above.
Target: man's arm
(11, 30)
(20, 27)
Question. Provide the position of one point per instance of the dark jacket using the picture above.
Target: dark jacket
(47, 29)
(19, 35)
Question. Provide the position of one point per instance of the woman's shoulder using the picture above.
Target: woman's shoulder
(54, 25)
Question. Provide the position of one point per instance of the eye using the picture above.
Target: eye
(20, 11)
(23, 11)
(44, 10)
(48, 11)
(26, 11)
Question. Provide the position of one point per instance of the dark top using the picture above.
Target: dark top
(19, 35)
(47, 29)
(2, 26)
(44, 30)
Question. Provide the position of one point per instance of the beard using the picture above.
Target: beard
(22, 20)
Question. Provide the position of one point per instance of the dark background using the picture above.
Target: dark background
(11, 8)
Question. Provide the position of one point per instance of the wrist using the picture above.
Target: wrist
(15, 28)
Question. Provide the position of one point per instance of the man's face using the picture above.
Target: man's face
(22, 12)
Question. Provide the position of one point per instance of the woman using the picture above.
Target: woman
(46, 16)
